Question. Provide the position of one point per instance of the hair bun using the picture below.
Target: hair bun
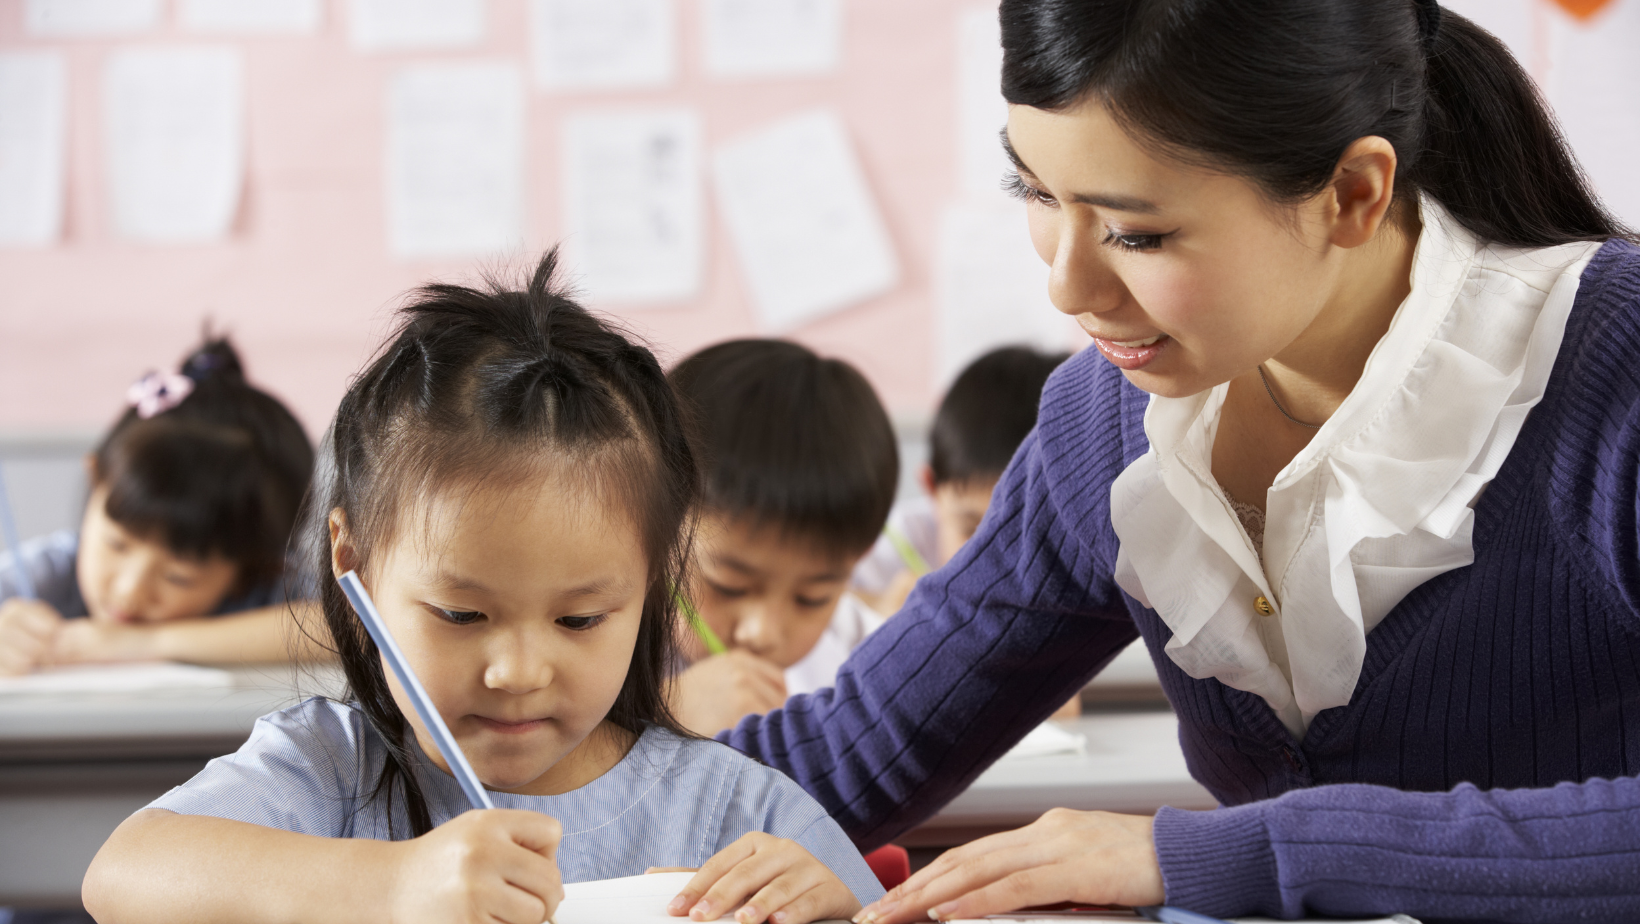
(1429, 21)
(214, 358)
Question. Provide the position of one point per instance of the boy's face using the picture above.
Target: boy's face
(125, 578)
(764, 591)
(518, 609)
(959, 506)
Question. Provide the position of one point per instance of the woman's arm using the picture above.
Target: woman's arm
(271, 633)
(166, 868)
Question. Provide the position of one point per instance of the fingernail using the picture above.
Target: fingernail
(941, 912)
(702, 908)
(677, 904)
(747, 913)
(779, 917)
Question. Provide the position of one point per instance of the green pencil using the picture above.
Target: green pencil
(714, 645)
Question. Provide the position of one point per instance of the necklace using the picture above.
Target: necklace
(1272, 394)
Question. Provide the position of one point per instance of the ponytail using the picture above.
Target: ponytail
(1276, 90)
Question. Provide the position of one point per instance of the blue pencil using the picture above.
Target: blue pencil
(463, 771)
(1170, 915)
(8, 523)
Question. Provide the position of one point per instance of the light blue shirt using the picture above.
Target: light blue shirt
(671, 801)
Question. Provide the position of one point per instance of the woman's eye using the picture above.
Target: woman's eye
(1015, 186)
(581, 623)
(1134, 242)
(461, 617)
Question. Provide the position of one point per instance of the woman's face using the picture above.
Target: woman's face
(1184, 278)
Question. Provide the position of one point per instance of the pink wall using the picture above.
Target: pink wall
(306, 282)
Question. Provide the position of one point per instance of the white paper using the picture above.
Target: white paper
(629, 900)
(394, 25)
(809, 236)
(33, 147)
(603, 44)
(981, 110)
(772, 38)
(173, 122)
(1047, 740)
(455, 159)
(80, 18)
(991, 289)
(116, 678)
(251, 17)
(632, 200)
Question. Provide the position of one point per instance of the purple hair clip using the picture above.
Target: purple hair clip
(156, 393)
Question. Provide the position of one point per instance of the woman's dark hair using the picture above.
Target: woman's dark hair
(1276, 90)
(497, 386)
(987, 413)
(222, 472)
(792, 440)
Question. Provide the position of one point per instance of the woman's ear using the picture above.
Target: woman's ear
(343, 558)
(1362, 191)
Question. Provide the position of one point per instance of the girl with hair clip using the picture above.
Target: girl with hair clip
(193, 496)
(512, 485)
(1357, 455)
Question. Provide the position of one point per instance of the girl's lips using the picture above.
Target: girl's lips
(511, 728)
(1127, 357)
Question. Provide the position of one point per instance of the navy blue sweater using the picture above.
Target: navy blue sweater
(1484, 768)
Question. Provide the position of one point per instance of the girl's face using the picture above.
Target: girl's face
(126, 578)
(518, 608)
(1184, 278)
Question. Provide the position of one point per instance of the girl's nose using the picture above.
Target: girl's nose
(519, 664)
(129, 591)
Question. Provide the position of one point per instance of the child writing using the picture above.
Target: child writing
(193, 495)
(801, 468)
(984, 416)
(512, 480)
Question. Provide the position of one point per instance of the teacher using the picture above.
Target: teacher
(1356, 456)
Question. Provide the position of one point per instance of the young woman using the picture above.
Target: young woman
(1356, 455)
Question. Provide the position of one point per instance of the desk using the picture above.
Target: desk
(1132, 764)
(72, 767)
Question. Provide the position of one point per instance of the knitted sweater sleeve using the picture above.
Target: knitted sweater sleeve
(984, 650)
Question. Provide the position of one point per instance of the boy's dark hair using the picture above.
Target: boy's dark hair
(791, 440)
(987, 413)
(479, 386)
(222, 472)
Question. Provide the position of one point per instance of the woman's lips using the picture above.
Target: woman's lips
(511, 728)
(1132, 354)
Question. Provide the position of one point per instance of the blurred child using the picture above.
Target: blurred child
(512, 479)
(800, 466)
(981, 421)
(193, 496)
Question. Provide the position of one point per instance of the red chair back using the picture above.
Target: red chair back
(891, 864)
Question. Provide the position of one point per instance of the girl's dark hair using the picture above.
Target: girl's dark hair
(495, 386)
(222, 472)
(1275, 90)
(987, 413)
(791, 440)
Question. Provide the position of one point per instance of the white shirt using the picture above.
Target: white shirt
(1379, 502)
(851, 622)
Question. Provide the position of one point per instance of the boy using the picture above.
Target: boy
(800, 467)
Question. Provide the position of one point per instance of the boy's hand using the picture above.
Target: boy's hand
(482, 867)
(768, 879)
(28, 630)
(714, 693)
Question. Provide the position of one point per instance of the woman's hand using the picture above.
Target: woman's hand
(769, 879)
(28, 630)
(1092, 857)
(482, 867)
(716, 692)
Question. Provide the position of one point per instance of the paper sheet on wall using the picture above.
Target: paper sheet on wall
(251, 17)
(455, 159)
(80, 18)
(981, 110)
(771, 38)
(603, 44)
(802, 220)
(33, 140)
(173, 122)
(395, 25)
(632, 201)
(991, 289)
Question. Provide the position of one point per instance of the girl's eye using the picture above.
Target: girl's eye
(179, 580)
(461, 617)
(1015, 186)
(730, 592)
(581, 623)
(813, 602)
(1134, 242)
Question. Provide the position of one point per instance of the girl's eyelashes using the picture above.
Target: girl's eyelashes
(1136, 243)
(459, 617)
(730, 592)
(582, 623)
(813, 602)
(1014, 185)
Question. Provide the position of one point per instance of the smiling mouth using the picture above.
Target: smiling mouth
(1135, 344)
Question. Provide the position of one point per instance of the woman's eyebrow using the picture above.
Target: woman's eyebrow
(1112, 201)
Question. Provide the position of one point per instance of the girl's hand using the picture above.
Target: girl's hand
(769, 879)
(716, 692)
(482, 867)
(83, 641)
(28, 630)
(1092, 857)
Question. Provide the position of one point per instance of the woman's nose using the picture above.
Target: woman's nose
(1080, 280)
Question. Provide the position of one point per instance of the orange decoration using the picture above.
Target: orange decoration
(1583, 9)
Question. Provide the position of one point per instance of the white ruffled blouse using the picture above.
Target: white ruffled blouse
(1379, 502)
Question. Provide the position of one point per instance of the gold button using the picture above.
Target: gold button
(1263, 606)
